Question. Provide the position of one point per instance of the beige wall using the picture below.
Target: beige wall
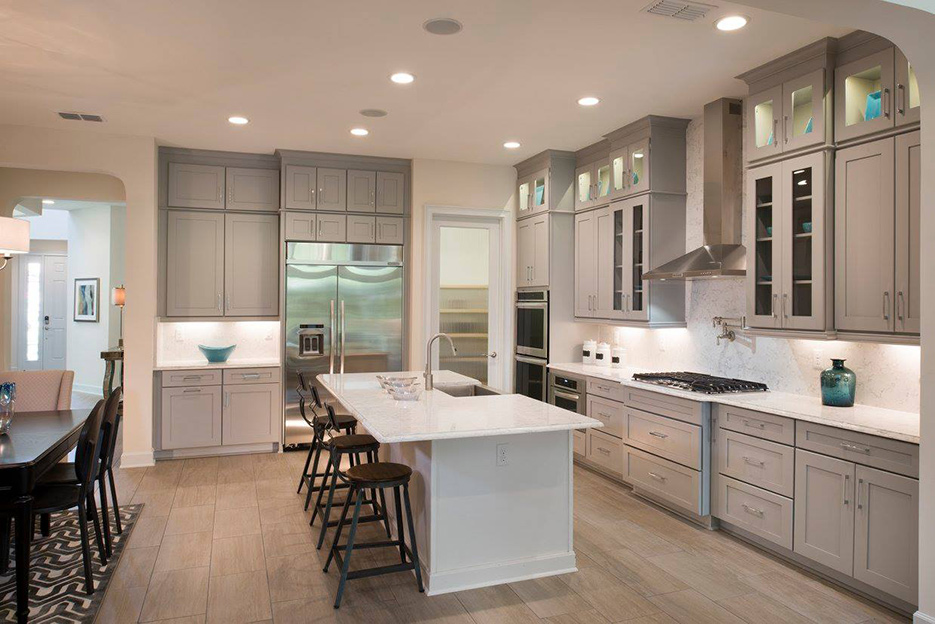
(448, 183)
(132, 160)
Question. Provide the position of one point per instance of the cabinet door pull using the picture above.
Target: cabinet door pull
(228, 302)
(785, 128)
(250, 376)
(887, 105)
(220, 194)
(847, 446)
(900, 99)
(220, 304)
(754, 462)
(603, 450)
(657, 477)
(227, 399)
(886, 305)
(900, 305)
(757, 423)
(860, 483)
(658, 434)
(847, 478)
(772, 306)
(752, 510)
(785, 307)
(775, 128)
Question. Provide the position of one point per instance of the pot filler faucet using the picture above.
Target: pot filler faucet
(428, 358)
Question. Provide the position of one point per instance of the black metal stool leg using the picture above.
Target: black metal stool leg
(308, 460)
(326, 517)
(311, 490)
(321, 493)
(412, 538)
(399, 525)
(352, 494)
(347, 552)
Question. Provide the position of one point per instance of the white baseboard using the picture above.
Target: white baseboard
(87, 389)
(921, 618)
(137, 460)
(498, 574)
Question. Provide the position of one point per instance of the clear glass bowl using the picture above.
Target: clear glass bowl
(412, 393)
(399, 382)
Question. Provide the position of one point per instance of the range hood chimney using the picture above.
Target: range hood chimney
(722, 254)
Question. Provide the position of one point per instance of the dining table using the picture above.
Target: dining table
(35, 442)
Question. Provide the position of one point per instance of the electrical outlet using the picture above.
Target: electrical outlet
(817, 358)
(178, 335)
(503, 455)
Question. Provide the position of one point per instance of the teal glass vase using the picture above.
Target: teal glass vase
(838, 385)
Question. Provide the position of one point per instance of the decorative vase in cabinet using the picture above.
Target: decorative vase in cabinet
(838, 385)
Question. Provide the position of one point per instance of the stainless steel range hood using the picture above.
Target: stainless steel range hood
(722, 255)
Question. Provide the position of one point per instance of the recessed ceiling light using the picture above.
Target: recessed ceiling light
(511, 144)
(237, 120)
(443, 26)
(588, 101)
(373, 112)
(731, 22)
(402, 78)
(360, 131)
(48, 202)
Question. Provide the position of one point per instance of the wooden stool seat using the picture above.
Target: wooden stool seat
(378, 474)
(357, 442)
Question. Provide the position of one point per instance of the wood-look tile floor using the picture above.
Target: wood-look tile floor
(226, 540)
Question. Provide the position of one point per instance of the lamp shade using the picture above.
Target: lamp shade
(14, 236)
(118, 296)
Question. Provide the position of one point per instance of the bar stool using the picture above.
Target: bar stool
(381, 475)
(319, 424)
(355, 446)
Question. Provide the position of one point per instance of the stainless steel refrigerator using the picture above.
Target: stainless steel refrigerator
(344, 313)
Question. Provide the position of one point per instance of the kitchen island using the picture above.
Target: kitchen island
(492, 488)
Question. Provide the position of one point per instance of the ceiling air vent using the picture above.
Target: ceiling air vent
(81, 117)
(687, 11)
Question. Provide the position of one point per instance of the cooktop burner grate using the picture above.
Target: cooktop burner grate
(698, 382)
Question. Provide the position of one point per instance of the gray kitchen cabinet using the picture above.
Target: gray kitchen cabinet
(361, 229)
(301, 187)
(532, 252)
(251, 413)
(788, 116)
(585, 264)
(300, 226)
(196, 186)
(331, 228)
(865, 222)
(361, 191)
(592, 184)
(391, 192)
(886, 536)
(544, 183)
(332, 189)
(191, 417)
(251, 267)
(824, 510)
(194, 263)
(630, 169)
(533, 194)
(863, 95)
(908, 104)
(908, 242)
(390, 231)
(630, 292)
(252, 189)
(603, 302)
(789, 221)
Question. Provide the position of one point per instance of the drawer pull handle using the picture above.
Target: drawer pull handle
(657, 477)
(191, 390)
(847, 446)
(191, 378)
(754, 462)
(753, 510)
(603, 450)
(757, 423)
(251, 375)
(658, 434)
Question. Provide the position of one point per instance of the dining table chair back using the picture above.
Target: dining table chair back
(41, 391)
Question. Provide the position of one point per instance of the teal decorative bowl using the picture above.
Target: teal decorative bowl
(216, 354)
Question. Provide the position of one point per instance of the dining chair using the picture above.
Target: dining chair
(40, 391)
(66, 472)
(50, 498)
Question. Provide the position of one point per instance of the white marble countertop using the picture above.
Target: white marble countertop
(437, 416)
(205, 364)
(879, 421)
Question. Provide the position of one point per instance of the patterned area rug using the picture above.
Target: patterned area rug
(56, 572)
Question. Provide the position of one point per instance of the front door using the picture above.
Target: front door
(43, 310)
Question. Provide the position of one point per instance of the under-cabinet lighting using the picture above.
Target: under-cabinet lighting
(731, 22)
(48, 202)
(638, 155)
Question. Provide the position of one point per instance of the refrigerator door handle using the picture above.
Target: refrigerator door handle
(333, 344)
(343, 319)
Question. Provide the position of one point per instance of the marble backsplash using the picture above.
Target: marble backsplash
(255, 340)
(887, 375)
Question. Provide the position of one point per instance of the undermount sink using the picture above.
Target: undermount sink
(465, 390)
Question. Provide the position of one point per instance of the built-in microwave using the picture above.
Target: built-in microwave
(532, 323)
(568, 392)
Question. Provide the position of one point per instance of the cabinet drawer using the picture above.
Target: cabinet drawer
(182, 378)
(607, 389)
(757, 424)
(892, 455)
(685, 410)
(237, 376)
(667, 480)
(580, 443)
(669, 438)
(608, 412)
(762, 513)
(761, 463)
(605, 451)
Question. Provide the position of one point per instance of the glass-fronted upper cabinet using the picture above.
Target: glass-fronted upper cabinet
(630, 299)
(524, 197)
(584, 187)
(603, 181)
(864, 96)
(764, 109)
(540, 193)
(908, 102)
(592, 184)
(630, 169)
(764, 253)
(787, 117)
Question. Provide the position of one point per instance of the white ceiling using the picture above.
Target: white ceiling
(301, 70)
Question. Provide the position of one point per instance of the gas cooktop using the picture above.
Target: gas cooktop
(698, 382)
